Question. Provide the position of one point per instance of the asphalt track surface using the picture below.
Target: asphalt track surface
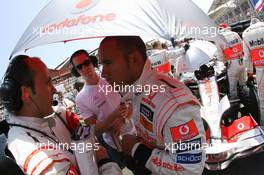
(253, 165)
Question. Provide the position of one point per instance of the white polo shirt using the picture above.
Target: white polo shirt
(92, 100)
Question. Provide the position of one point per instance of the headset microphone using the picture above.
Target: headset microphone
(55, 102)
(38, 108)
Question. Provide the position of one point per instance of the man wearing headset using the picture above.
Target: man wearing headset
(96, 106)
(35, 133)
(253, 38)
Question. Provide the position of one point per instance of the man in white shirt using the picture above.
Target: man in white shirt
(95, 105)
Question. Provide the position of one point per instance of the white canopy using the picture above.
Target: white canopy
(62, 21)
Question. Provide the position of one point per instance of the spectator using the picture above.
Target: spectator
(77, 87)
(96, 106)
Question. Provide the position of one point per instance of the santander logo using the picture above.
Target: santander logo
(80, 6)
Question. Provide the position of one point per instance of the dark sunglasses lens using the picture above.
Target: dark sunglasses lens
(85, 63)
(79, 67)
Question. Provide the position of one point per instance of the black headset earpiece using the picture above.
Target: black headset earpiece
(10, 91)
(11, 95)
(94, 60)
(74, 72)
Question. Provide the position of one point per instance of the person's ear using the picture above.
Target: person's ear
(134, 59)
(25, 94)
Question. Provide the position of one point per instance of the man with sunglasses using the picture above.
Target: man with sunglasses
(97, 107)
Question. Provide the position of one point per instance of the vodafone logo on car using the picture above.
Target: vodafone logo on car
(185, 131)
(80, 6)
(240, 126)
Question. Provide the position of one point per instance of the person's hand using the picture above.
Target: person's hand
(115, 126)
(101, 153)
(128, 142)
(129, 110)
(117, 113)
(112, 119)
(117, 118)
(81, 132)
(123, 110)
(126, 110)
(250, 79)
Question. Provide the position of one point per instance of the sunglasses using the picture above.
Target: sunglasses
(85, 63)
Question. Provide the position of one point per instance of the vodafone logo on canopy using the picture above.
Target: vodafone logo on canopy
(79, 6)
